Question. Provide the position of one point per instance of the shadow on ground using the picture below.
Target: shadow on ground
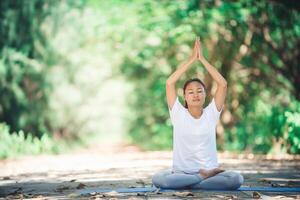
(63, 176)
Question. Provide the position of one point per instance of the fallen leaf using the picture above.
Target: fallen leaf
(256, 195)
(36, 197)
(112, 194)
(183, 194)
(73, 195)
(265, 181)
(81, 186)
(275, 185)
(218, 196)
(231, 197)
(61, 189)
(97, 197)
(6, 178)
(141, 194)
(140, 182)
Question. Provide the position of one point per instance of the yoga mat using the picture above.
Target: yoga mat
(154, 189)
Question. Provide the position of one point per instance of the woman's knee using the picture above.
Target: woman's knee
(164, 180)
(169, 180)
(160, 179)
(235, 181)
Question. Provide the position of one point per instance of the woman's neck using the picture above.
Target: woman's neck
(196, 111)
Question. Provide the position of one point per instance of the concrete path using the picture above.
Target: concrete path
(119, 166)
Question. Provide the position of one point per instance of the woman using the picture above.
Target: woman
(195, 163)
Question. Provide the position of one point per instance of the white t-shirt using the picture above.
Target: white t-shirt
(194, 140)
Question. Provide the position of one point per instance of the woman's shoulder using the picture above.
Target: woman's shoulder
(177, 111)
(178, 105)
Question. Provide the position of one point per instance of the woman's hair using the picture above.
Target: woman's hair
(187, 83)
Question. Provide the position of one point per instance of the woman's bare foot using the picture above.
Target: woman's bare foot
(209, 173)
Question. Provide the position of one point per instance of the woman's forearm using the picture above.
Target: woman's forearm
(185, 66)
(214, 73)
(179, 72)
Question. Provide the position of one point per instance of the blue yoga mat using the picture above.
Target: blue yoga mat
(154, 189)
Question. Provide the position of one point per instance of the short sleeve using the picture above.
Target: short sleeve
(176, 111)
(213, 112)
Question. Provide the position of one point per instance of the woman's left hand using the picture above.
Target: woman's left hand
(199, 53)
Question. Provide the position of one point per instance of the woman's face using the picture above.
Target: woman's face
(194, 94)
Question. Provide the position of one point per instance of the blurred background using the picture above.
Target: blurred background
(83, 72)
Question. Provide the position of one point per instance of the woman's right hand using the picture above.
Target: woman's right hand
(195, 53)
(174, 77)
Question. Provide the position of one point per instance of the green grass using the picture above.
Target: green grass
(16, 144)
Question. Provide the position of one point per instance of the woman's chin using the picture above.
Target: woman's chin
(196, 104)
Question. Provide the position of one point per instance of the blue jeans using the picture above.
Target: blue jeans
(227, 180)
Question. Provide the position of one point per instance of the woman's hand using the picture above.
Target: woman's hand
(195, 53)
(221, 82)
(171, 81)
(200, 56)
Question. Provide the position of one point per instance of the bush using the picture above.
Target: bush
(13, 144)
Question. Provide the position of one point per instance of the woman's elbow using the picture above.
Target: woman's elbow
(223, 84)
(169, 82)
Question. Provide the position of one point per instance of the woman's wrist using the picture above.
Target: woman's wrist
(191, 60)
(202, 59)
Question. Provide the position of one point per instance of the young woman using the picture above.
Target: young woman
(195, 162)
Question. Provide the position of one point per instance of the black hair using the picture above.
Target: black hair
(187, 83)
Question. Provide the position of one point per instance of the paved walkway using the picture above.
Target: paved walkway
(62, 176)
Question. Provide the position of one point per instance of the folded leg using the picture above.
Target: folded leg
(227, 180)
(169, 180)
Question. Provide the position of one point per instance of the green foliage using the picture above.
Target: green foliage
(52, 79)
(245, 40)
(13, 144)
(24, 62)
(292, 128)
(267, 128)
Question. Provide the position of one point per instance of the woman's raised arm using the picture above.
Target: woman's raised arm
(221, 82)
(171, 81)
